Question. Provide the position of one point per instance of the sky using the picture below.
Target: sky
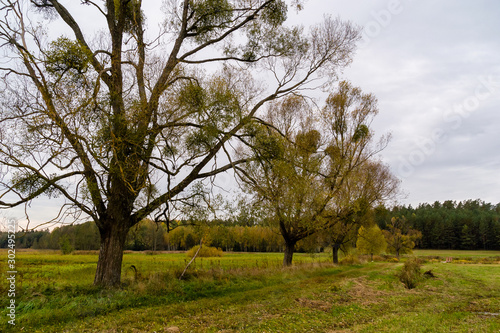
(434, 67)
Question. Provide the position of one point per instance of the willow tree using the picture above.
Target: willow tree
(282, 171)
(121, 116)
(314, 170)
(366, 186)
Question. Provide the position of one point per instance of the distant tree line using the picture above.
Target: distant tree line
(148, 235)
(467, 225)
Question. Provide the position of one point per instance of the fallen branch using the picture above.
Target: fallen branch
(192, 259)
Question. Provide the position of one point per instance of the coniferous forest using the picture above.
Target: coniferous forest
(466, 225)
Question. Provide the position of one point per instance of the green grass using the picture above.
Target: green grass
(251, 293)
(457, 253)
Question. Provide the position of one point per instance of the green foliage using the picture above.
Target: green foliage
(210, 17)
(134, 17)
(25, 239)
(222, 103)
(411, 274)
(65, 245)
(30, 183)
(400, 237)
(146, 235)
(268, 146)
(264, 37)
(205, 252)
(308, 142)
(111, 105)
(275, 13)
(339, 104)
(67, 56)
(192, 96)
(467, 240)
(334, 153)
(215, 106)
(83, 236)
(442, 224)
(371, 240)
(362, 132)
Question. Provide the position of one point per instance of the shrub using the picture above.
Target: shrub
(350, 259)
(462, 261)
(206, 251)
(410, 274)
(393, 259)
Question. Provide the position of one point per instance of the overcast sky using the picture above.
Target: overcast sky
(435, 68)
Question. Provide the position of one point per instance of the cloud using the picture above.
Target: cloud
(435, 69)
(436, 73)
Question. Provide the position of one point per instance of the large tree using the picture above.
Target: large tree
(313, 169)
(283, 172)
(121, 119)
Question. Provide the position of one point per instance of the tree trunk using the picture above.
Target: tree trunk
(289, 249)
(335, 253)
(109, 265)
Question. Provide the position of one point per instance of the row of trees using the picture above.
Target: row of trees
(466, 225)
(147, 235)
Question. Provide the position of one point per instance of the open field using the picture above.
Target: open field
(243, 292)
(457, 253)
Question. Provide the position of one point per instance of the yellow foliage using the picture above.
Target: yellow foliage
(206, 251)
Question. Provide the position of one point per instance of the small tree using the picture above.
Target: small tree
(371, 241)
(65, 245)
(400, 237)
(370, 184)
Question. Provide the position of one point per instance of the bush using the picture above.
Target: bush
(410, 274)
(206, 251)
(462, 261)
(350, 259)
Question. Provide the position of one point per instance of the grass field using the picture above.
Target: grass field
(251, 293)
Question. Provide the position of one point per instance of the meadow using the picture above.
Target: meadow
(251, 292)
